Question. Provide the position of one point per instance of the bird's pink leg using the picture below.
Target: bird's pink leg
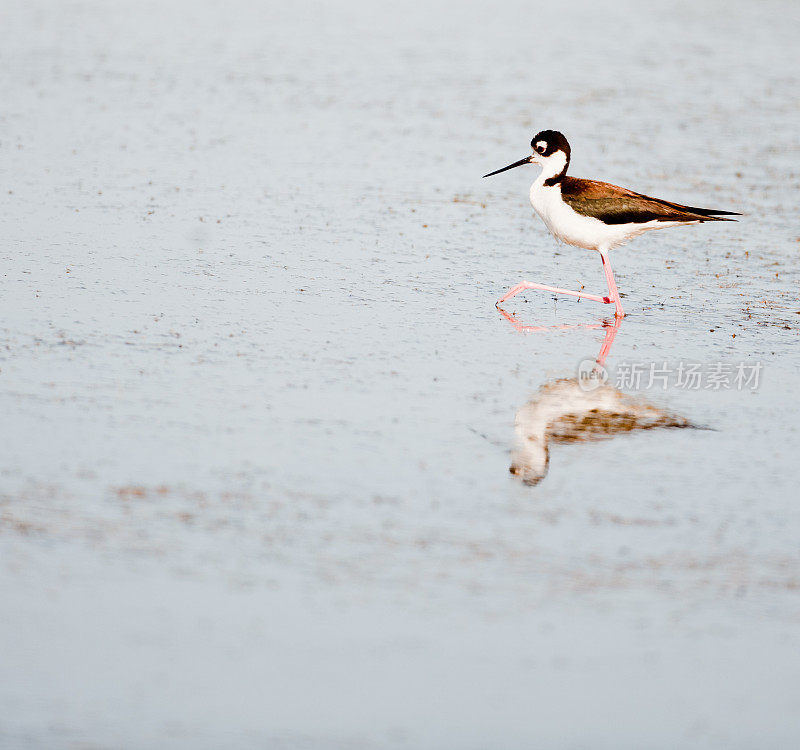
(612, 286)
(522, 286)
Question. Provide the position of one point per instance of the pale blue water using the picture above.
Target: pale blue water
(259, 405)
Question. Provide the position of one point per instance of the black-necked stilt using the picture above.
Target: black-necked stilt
(595, 215)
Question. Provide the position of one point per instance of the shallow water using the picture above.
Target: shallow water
(260, 406)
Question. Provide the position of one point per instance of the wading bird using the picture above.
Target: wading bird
(594, 215)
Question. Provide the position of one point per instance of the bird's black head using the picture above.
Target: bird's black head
(547, 142)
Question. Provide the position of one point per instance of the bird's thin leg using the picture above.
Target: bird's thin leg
(522, 286)
(612, 285)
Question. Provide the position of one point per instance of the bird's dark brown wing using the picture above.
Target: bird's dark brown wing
(616, 205)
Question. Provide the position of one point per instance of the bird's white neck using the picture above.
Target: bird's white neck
(552, 168)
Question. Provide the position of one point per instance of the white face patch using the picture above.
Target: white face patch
(553, 164)
(541, 146)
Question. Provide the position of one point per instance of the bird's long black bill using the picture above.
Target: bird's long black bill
(526, 160)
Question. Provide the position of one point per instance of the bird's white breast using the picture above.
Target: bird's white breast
(564, 223)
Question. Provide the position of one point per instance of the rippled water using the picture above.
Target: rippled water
(259, 406)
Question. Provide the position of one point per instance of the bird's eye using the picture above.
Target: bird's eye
(541, 146)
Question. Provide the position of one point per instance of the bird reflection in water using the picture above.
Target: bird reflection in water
(569, 410)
